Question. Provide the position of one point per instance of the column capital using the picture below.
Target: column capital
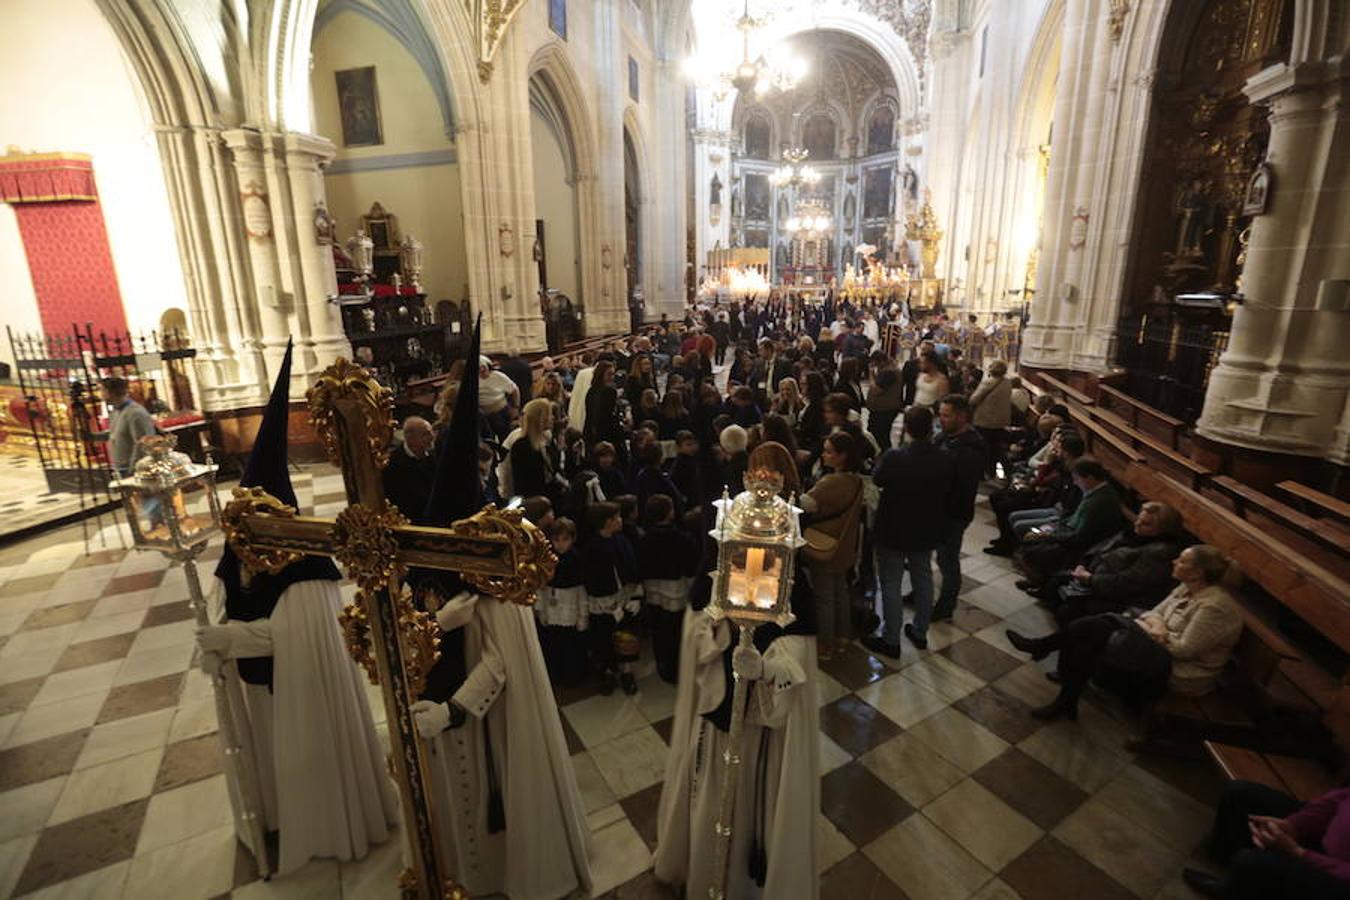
(301, 144)
(1282, 79)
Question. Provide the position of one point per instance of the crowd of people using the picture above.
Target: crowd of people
(619, 457)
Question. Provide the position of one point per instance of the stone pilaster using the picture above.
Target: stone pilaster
(320, 332)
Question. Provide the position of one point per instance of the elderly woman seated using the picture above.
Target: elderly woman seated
(1182, 643)
(1132, 569)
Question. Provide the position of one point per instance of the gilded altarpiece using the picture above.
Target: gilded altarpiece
(1206, 141)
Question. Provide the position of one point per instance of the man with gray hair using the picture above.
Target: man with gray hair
(412, 466)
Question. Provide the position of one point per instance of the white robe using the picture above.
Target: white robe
(542, 854)
(782, 711)
(321, 766)
(576, 404)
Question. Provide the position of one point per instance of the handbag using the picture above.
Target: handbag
(1133, 664)
(821, 546)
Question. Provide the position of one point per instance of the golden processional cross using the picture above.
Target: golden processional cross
(497, 551)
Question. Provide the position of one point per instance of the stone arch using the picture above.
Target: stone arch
(646, 191)
(551, 69)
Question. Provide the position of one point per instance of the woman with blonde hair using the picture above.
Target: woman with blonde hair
(1182, 644)
(788, 403)
(531, 454)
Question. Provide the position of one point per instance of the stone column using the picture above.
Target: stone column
(1282, 385)
(664, 242)
(950, 106)
(204, 198)
(1057, 311)
(320, 331)
(267, 328)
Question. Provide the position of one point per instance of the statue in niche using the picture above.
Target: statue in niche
(715, 191)
(782, 208)
(735, 203)
(1196, 215)
(850, 208)
(909, 183)
(782, 254)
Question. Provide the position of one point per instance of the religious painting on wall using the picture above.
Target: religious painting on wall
(557, 17)
(881, 131)
(757, 137)
(818, 136)
(632, 79)
(757, 197)
(877, 192)
(359, 107)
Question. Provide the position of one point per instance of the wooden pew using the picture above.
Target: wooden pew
(1141, 416)
(1321, 505)
(1250, 501)
(1153, 450)
(1068, 392)
(1113, 451)
(1301, 778)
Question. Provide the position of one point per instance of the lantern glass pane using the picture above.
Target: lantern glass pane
(755, 576)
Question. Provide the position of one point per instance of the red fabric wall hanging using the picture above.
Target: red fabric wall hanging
(64, 237)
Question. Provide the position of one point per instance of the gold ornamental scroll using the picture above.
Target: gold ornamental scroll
(490, 18)
(497, 551)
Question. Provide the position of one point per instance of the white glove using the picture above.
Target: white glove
(211, 663)
(430, 718)
(457, 611)
(214, 639)
(747, 663)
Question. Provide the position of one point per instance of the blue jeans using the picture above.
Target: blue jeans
(949, 564)
(891, 567)
(1024, 520)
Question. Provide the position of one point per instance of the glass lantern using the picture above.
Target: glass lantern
(170, 501)
(758, 534)
(410, 252)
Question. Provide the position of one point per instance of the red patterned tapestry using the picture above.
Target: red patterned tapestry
(65, 239)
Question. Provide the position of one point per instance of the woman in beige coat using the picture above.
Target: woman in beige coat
(992, 409)
(835, 507)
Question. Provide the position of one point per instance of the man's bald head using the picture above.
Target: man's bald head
(417, 436)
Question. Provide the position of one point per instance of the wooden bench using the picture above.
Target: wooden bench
(1300, 778)
(1322, 505)
(1068, 392)
(1248, 500)
(1141, 416)
(1154, 450)
(1113, 451)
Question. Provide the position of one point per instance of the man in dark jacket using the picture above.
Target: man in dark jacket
(1097, 518)
(411, 469)
(916, 482)
(968, 450)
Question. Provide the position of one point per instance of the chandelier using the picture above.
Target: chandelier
(776, 69)
(793, 173)
(810, 220)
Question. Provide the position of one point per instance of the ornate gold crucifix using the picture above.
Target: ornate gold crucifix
(497, 551)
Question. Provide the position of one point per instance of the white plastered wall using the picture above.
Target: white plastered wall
(69, 89)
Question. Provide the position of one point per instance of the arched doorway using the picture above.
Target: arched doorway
(556, 201)
(632, 222)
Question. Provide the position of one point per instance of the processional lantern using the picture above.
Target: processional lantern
(361, 251)
(170, 501)
(172, 506)
(410, 252)
(757, 535)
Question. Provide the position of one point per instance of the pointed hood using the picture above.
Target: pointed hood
(457, 492)
(267, 469)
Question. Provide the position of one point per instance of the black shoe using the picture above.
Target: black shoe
(628, 683)
(1057, 708)
(1203, 883)
(1026, 644)
(1053, 677)
(940, 617)
(877, 645)
(915, 639)
(607, 682)
(999, 550)
(1029, 586)
(870, 622)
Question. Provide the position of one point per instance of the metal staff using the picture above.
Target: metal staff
(726, 807)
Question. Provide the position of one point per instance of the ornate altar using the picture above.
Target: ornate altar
(1207, 145)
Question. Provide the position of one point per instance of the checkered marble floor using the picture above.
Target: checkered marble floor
(24, 498)
(935, 783)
